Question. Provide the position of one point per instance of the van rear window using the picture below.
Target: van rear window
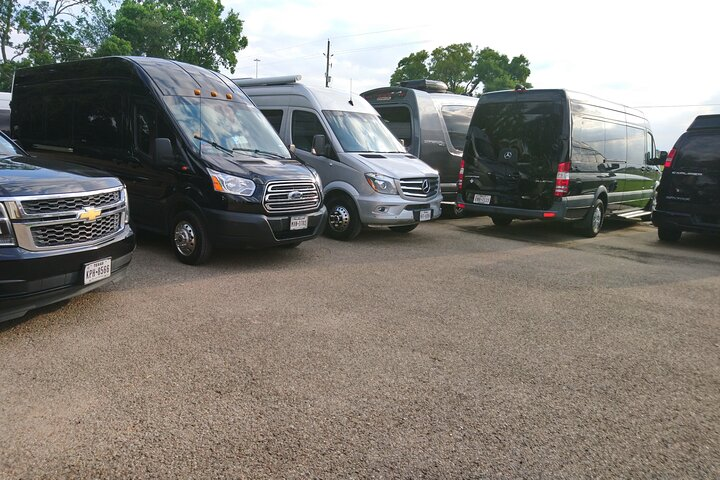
(457, 120)
(700, 150)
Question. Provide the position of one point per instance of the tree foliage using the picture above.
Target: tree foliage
(36, 32)
(464, 68)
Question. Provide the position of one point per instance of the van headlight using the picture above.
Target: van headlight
(381, 183)
(222, 182)
(7, 235)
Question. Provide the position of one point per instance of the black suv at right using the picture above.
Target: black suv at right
(688, 197)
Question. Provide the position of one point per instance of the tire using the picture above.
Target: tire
(190, 240)
(592, 223)
(667, 234)
(343, 221)
(404, 228)
(452, 211)
(501, 221)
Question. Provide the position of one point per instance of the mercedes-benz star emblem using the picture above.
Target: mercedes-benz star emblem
(508, 155)
(425, 186)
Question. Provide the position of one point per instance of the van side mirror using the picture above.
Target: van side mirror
(163, 155)
(659, 160)
(319, 145)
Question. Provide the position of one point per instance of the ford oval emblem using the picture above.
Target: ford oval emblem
(295, 195)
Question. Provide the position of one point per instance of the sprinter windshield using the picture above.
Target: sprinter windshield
(231, 126)
(362, 132)
(526, 133)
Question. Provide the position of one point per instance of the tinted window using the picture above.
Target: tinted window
(531, 130)
(615, 142)
(635, 146)
(305, 125)
(701, 150)
(457, 119)
(399, 122)
(149, 126)
(58, 126)
(274, 117)
(98, 121)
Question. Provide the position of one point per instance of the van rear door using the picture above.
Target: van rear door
(693, 179)
(514, 147)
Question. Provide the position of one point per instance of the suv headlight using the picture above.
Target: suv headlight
(222, 182)
(381, 183)
(7, 235)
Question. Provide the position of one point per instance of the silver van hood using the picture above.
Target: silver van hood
(396, 165)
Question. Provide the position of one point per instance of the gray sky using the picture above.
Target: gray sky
(639, 53)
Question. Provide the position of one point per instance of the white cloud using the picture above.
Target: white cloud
(632, 52)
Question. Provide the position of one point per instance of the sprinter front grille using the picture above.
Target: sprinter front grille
(292, 196)
(54, 222)
(62, 235)
(425, 187)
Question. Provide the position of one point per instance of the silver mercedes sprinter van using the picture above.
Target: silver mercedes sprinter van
(369, 179)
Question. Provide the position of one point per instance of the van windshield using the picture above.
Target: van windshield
(362, 132)
(229, 125)
(525, 133)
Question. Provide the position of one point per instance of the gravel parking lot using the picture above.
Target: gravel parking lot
(460, 350)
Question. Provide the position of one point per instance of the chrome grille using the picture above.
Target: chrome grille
(64, 234)
(425, 187)
(59, 205)
(291, 196)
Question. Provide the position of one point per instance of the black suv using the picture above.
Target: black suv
(688, 197)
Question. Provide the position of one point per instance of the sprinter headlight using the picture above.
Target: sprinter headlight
(7, 235)
(381, 183)
(222, 182)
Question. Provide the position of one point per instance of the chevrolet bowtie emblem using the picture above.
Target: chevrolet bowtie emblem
(89, 214)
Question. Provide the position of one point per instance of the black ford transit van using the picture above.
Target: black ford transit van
(200, 161)
(63, 231)
(688, 198)
(557, 155)
(432, 123)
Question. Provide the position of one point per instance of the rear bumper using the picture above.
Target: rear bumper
(685, 222)
(233, 229)
(31, 280)
(563, 209)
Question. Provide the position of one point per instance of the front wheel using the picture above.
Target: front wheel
(501, 221)
(343, 221)
(669, 234)
(404, 228)
(190, 240)
(591, 225)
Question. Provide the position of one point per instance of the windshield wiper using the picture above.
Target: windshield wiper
(260, 152)
(216, 145)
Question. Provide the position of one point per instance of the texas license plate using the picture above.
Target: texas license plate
(483, 199)
(298, 223)
(425, 215)
(98, 270)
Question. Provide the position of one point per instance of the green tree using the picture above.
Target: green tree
(193, 31)
(464, 69)
(411, 67)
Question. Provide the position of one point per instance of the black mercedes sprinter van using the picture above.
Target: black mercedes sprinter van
(200, 162)
(557, 155)
(432, 123)
(688, 198)
(63, 231)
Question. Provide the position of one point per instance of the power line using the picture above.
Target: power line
(680, 106)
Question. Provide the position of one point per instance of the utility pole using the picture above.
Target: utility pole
(257, 62)
(327, 65)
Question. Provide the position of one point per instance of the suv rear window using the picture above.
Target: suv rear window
(699, 150)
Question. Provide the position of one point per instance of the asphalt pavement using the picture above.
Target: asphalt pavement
(459, 350)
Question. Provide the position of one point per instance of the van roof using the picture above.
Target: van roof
(705, 121)
(170, 77)
(400, 93)
(320, 97)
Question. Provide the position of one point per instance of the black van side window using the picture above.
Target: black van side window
(148, 127)
(615, 142)
(98, 120)
(399, 122)
(58, 130)
(635, 146)
(305, 125)
(274, 117)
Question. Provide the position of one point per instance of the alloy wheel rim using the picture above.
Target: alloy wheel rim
(339, 218)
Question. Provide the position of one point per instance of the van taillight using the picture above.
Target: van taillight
(562, 179)
(669, 159)
(461, 174)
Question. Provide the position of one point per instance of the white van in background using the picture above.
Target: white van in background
(5, 111)
(369, 179)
